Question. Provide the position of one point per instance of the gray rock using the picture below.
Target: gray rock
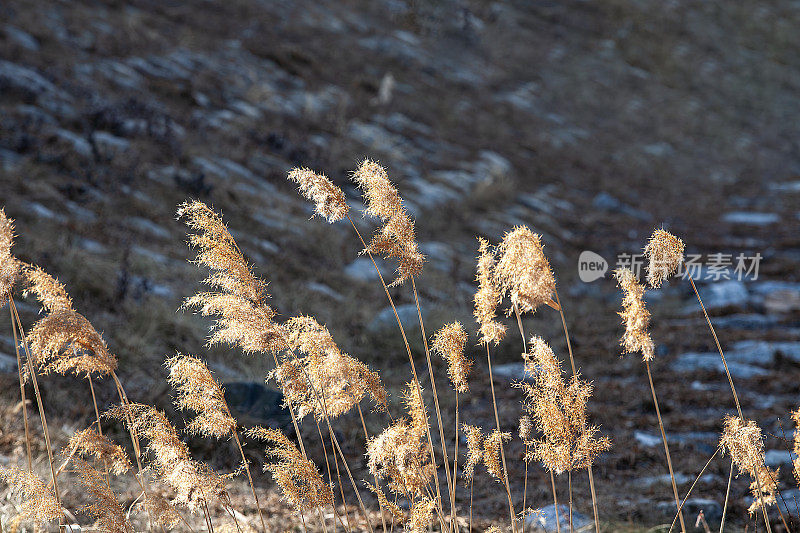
(694, 362)
(646, 439)
(9, 161)
(148, 226)
(776, 458)
(23, 79)
(712, 510)
(22, 38)
(665, 479)
(108, 145)
(720, 295)
(607, 202)
(363, 270)
(509, 371)
(744, 321)
(7, 363)
(544, 519)
(321, 288)
(79, 144)
(751, 219)
(385, 319)
(257, 403)
(439, 255)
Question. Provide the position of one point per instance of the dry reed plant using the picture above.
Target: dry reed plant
(664, 253)
(523, 272)
(88, 443)
(330, 202)
(9, 265)
(105, 508)
(39, 503)
(488, 297)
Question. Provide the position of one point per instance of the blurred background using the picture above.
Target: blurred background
(591, 122)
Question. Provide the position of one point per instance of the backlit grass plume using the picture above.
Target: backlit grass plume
(338, 380)
(796, 448)
(103, 506)
(744, 442)
(9, 265)
(474, 436)
(523, 272)
(199, 392)
(239, 297)
(449, 342)
(88, 443)
(399, 454)
(39, 503)
(329, 200)
(664, 253)
(64, 341)
(491, 453)
(420, 517)
(298, 477)
(634, 315)
(558, 409)
(395, 510)
(487, 297)
(396, 238)
(194, 482)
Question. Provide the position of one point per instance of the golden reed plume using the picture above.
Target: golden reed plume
(39, 503)
(523, 272)
(449, 342)
(558, 409)
(199, 392)
(9, 265)
(487, 297)
(329, 200)
(664, 253)
(194, 482)
(88, 443)
(743, 440)
(634, 315)
(474, 449)
(104, 507)
(338, 380)
(491, 453)
(396, 238)
(298, 477)
(239, 298)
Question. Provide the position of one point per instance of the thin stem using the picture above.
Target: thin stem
(366, 440)
(348, 526)
(574, 372)
(249, 476)
(99, 427)
(727, 495)
(455, 471)
(450, 487)
(410, 359)
(569, 484)
(555, 501)
(666, 446)
(692, 488)
(21, 387)
(502, 451)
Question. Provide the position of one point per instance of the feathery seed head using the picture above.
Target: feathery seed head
(491, 453)
(90, 443)
(474, 449)
(198, 391)
(420, 518)
(104, 506)
(9, 265)
(239, 300)
(329, 199)
(396, 238)
(523, 271)
(634, 315)
(39, 502)
(743, 440)
(298, 477)
(487, 297)
(397, 513)
(48, 290)
(526, 429)
(449, 342)
(664, 253)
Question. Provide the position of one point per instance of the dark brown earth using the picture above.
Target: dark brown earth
(590, 122)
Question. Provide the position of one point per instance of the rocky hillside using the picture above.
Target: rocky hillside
(591, 122)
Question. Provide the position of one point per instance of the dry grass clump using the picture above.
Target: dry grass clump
(664, 253)
(396, 238)
(634, 315)
(488, 297)
(743, 441)
(89, 443)
(558, 408)
(298, 477)
(103, 507)
(330, 202)
(39, 503)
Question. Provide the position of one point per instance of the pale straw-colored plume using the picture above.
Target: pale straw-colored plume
(449, 342)
(103, 506)
(664, 253)
(420, 518)
(329, 200)
(162, 511)
(39, 503)
(395, 510)
(742, 439)
(194, 482)
(558, 409)
(297, 476)
(796, 460)
(526, 434)
(399, 454)
(199, 392)
(492, 529)
(523, 272)
(474, 449)
(396, 238)
(487, 297)
(491, 453)
(634, 315)
(339, 381)
(88, 443)
(239, 298)
(64, 341)
(9, 265)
